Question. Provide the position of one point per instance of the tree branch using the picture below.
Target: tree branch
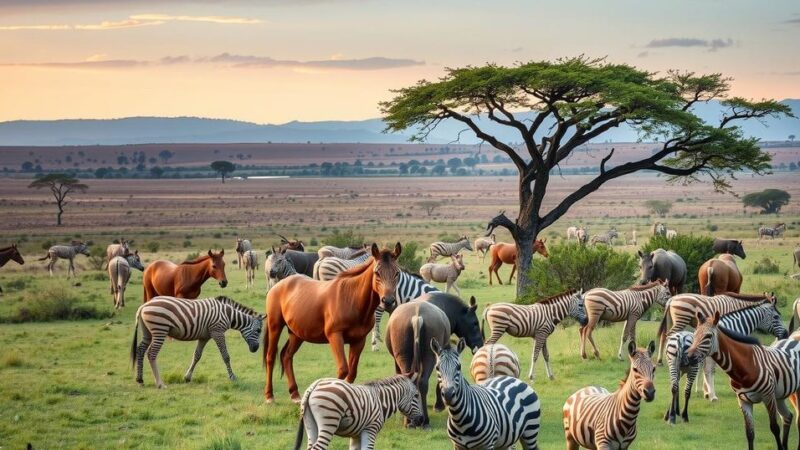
(501, 220)
(486, 137)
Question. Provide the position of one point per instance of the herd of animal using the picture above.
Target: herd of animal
(336, 296)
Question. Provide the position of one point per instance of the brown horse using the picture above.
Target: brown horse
(10, 253)
(338, 312)
(183, 280)
(719, 275)
(503, 252)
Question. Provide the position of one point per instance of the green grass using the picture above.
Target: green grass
(69, 384)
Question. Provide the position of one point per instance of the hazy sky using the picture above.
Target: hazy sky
(281, 60)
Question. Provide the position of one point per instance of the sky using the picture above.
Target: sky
(274, 61)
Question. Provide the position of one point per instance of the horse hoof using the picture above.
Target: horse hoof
(187, 379)
(296, 400)
(269, 400)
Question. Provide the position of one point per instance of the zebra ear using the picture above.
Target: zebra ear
(700, 317)
(435, 347)
(209, 253)
(716, 317)
(473, 303)
(461, 345)
(397, 250)
(631, 348)
(639, 252)
(222, 252)
(651, 348)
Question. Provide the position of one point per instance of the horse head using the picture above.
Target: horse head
(16, 256)
(386, 274)
(217, 270)
(540, 248)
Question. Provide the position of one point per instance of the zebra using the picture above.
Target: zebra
(672, 234)
(628, 305)
(191, 320)
(582, 235)
(242, 246)
(772, 232)
(250, 259)
(493, 360)
(329, 251)
(597, 418)
(659, 229)
(409, 287)
(444, 249)
(538, 321)
(444, 273)
(483, 244)
(120, 247)
(335, 407)
(605, 238)
(280, 267)
(330, 267)
(119, 273)
(496, 414)
(66, 252)
(679, 363)
(758, 373)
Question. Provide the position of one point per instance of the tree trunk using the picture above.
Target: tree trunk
(58, 216)
(223, 178)
(525, 238)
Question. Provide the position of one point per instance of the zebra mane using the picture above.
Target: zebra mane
(644, 287)
(236, 305)
(738, 337)
(555, 298)
(382, 382)
(746, 297)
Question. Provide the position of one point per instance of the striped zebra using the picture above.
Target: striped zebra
(334, 407)
(597, 418)
(605, 238)
(681, 311)
(329, 251)
(772, 232)
(250, 259)
(242, 246)
(65, 252)
(758, 373)
(537, 321)
(493, 360)
(445, 249)
(496, 414)
(409, 287)
(628, 305)
(679, 364)
(330, 267)
(280, 267)
(191, 320)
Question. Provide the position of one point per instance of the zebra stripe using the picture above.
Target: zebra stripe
(537, 321)
(493, 360)
(191, 320)
(771, 231)
(444, 249)
(679, 363)
(605, 238)
(330, 267)
(65, 252)
(597, 418)
(497, 414)
(329, 251)
(335, 407)
(408, 288)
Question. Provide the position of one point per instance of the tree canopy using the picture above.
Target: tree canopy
(224, 168)
(659, 207)
(60, 185)
(769, 200)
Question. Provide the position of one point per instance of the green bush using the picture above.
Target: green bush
(448, 237)
(54, 303)
(408, 260)
(712, 227)
(695, 250)
(153, 246)
(97, 257)
(187, 243)
(314, 242)
(572, 265)
(192, 256)
(766, 266)
(346, 238)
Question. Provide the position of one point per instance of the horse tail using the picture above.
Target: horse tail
(662, 328)
(136, 322)
(417, 324)
(709, 287)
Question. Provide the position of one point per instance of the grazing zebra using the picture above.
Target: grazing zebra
(671, 234)
(680, 312)
(483, 244)
(628, 305)
(409, 287)
(605, 238)
(444, 273)
(335, 407)
(493, 360)
(242, 246)
(329, 251)
(330, 267)
(597, 418)
(445, 249)
(250, 259)
(679, 363)
(119, 273)
(538, 321)
(494, 415)
(66, 252)
(757, 373)
(191, 320)
(659, 229)
(772, 232)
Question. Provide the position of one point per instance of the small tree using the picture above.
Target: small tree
(769, 200)
(224, 168)
(791, 138)
(165, 155)
(429, 205)
(156, 171)
(60, 185)
(660, 207)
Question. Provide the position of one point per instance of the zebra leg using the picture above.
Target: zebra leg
(749, 430)
(537, 347)
(708, 371)
(71, 267)
(376, 331)
(311, 426)
(325, 428)
(772, 408)
(219, 338)
(628, 334)
(691, 376)
(355, 442)
(140, 350)
(546, 355)
(198, 352)
(787, 417)
(455, 287)
(152, 354)
(368, 438)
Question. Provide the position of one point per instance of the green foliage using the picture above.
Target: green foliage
(769, 200)
(225, 443)
(766, 266)
(192, 256)
(576, 266)
(46, 244)
(347, 238)
(187, 243)
(313, 242)
(97, 257)
(54, 303)
(712, 227)
(659, 207)
(408, 260)
(695, 250)
(153, 246)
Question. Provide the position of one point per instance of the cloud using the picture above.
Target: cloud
(117, 25)
(712, 45)
(35, 27)
(643, 54)
(136, 21)
(210, 19)
(233, 60)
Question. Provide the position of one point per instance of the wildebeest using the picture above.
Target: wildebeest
(444, 273)
(183, 280)
(719, 275)
(663, 264)
(410, 327)
(505, 253)
(303, 262)
(730, 246)
(66, 252)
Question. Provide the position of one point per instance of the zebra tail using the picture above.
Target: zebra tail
(298, 441)
(663, 327)
(135, 339)
(47, 256)
(709, 287)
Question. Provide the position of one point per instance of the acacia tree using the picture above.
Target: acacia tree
(769, 200)
(223, 168)
(659, 207)
(60, 185)
(557, 106)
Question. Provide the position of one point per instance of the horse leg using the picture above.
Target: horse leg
(336, 342)
(793, 400)
(198, 353)
(274, 330)
(455, 287)
(152, 354)
(287, 360)
(708, 383)
(355, 355)
(513, 269)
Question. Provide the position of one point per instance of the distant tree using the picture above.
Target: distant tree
(470, 162)
(438, 169)
(791, 137)
(792, 166)
(156, 171)
(165, 155)
(60, 185)
(429, 205)
(769, 200)
(659, 207)
(122, 160)
(140, 167)
(454, 163)
(27, 166)
(224, 168)
(152, 160)
(101, 172)
(403, 168)
(422, 170)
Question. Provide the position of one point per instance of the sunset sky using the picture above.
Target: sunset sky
(274, 61)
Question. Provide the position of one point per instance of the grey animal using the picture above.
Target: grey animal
(659, 229)
(796, 256)
(303, 262)
(117, 249)
(772, 232)
(329, 251)
(605, 238)
(444, 273)
(730, 246)
(242, 246)
(280, 267)
(330, 267)
(119, 273)
(483, 244)
(66, 252)
(663, 264)
(250, 260)
(443, 249)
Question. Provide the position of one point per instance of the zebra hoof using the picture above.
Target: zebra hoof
(551, 377)
(162, 386)
(187, 379)
(232, 378)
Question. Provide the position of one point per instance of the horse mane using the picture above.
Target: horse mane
(6, 248)
(196, 261)
(553, 298)
(357, 270)
(746, 297)
(644, 287)
(236, 305)
(738, 337)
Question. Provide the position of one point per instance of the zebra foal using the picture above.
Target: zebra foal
(444, 249)
(191, 320)
(250, 260)
(334, 407)
(493, 360)
(69, 252)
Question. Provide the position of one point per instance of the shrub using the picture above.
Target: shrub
(695, 250)
(47, 244)
(18, 284)
(192, 256)
(313, 242)
(54, 303)
(448, 237)
(571, 265)
(217, 235)
(346, 238)
(187, 243)
(712, 227)
(97, 257)
(408, 260)
(153, 246)
(766, 266)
